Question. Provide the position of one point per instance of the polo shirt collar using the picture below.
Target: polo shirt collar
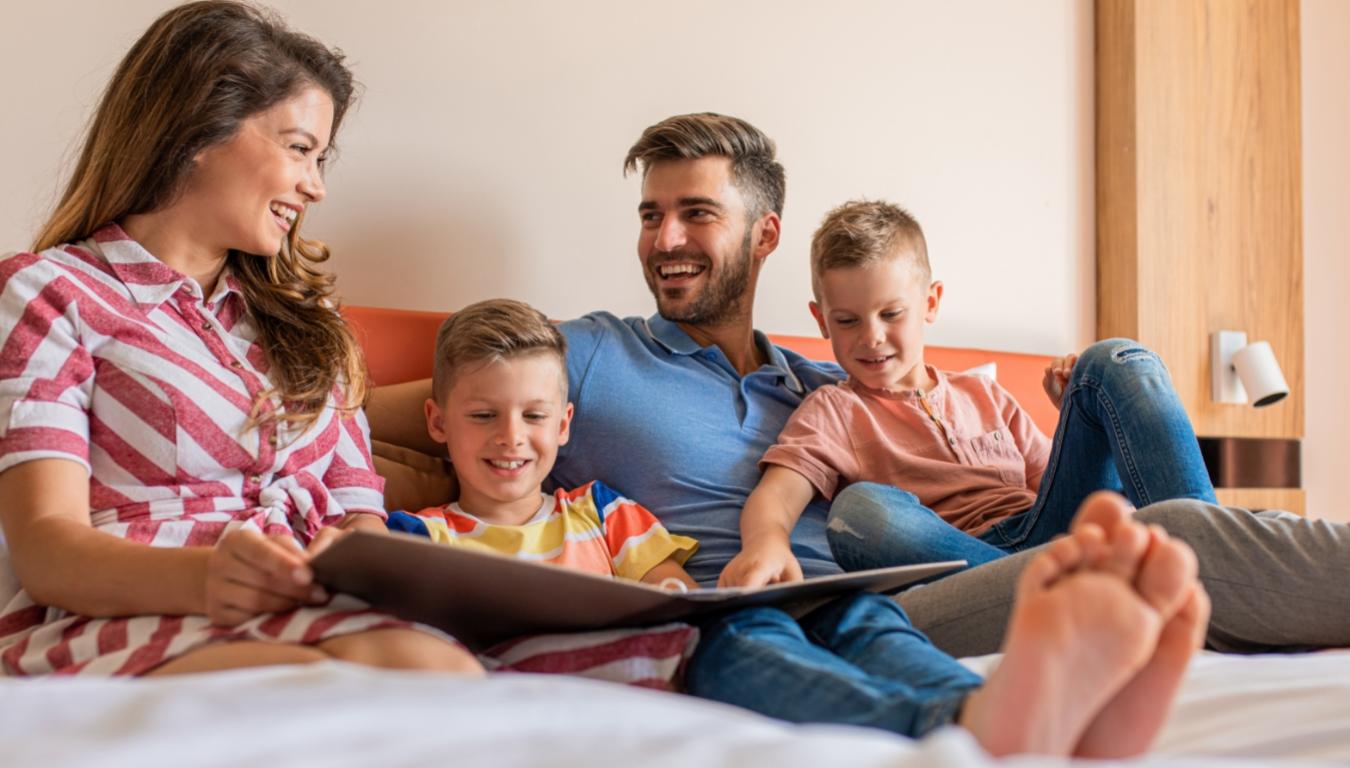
(150, 281)
(674, 340)
(671, 336)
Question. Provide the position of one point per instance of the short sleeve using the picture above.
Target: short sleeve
(815, 443)
(436, 523)
(351, 478)
(46, 373)
(636, 540)
(584, 336)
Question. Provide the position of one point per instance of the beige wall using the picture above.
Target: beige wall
(485, 158)
(1326, 254)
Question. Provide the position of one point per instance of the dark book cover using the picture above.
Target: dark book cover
(483, 599)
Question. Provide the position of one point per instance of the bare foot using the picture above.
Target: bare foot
(1164, 574)
(1078, 635)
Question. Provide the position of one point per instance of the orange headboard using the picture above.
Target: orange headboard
(398, 345)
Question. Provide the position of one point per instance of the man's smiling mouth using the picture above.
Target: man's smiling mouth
(679, 271)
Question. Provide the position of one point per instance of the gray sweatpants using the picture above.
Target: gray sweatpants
(1278, 582)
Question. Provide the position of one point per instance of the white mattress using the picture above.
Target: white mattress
(1268, 709)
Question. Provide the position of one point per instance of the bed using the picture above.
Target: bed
(1233, 710)
(1258, 710)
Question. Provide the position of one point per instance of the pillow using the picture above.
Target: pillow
(413, 480)
(988, 370)
(651, 657)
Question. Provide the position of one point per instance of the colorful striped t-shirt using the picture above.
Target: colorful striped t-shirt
(592, 528)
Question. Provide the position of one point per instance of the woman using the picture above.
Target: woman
(180, 424)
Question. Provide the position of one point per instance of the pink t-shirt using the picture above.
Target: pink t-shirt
(965, 448)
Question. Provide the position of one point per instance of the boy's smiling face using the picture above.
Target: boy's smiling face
(502, 423)
(874, 316)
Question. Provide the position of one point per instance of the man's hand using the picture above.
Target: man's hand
(759, 565)
(1057, 378)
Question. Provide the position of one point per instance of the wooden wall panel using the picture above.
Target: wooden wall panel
(1198, 192)
(1289, 499)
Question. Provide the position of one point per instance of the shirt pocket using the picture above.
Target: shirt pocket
(997, 450)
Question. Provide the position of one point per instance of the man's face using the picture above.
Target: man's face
(696, 241)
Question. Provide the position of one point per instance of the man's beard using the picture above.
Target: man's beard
(722, 298)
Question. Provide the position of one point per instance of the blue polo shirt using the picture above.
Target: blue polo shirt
(673, 426)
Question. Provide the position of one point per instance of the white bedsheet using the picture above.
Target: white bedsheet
(1269, 709)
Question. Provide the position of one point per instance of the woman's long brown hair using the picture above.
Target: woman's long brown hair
(198, 72)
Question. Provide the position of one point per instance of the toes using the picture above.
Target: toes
(1195, 613)
(1066, 554)
(1105, 509)
(1093, 543)
(1127, 547)
(1167, 574)
(1043, 570)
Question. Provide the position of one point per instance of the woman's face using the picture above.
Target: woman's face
(247, 192)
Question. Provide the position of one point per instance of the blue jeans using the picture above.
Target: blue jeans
(856, 660)
(1121, 428)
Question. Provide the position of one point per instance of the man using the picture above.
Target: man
(675, 410)
(682, 430)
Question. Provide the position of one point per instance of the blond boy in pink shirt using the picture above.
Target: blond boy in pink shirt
(924, 465)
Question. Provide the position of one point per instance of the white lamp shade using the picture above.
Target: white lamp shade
(1260, 374)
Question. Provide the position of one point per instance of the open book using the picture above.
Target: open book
(484, 599)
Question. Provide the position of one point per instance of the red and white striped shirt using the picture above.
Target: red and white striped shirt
(111, 359)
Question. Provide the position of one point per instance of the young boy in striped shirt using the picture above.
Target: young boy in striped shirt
(500, 405)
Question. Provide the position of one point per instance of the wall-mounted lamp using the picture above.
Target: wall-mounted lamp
(1241, 371)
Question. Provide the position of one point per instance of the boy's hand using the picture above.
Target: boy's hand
(757, 566)
(351, 522)
(324, 539)
(1057, 378)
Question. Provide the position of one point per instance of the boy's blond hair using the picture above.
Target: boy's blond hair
(489, 331)
(863, 232)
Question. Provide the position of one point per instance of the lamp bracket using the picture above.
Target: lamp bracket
(1225, 386)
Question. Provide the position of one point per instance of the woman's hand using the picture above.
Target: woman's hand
(766, 563)
(1057, 378)
(248, 574)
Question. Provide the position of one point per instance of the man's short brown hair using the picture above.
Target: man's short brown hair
(863, 232)
(492, 330)
(758, 176)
